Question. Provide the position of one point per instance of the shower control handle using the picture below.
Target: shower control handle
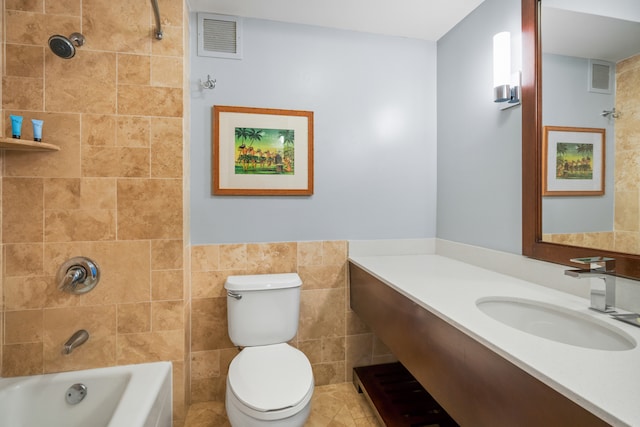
(78, 275)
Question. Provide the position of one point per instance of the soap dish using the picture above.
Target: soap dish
(632, 319)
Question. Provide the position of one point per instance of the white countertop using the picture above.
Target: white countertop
(607, 383)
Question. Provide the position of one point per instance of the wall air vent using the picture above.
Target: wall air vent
(219, 36)
(601, 76)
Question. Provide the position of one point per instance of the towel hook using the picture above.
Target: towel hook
(610, 113)
(208, 84)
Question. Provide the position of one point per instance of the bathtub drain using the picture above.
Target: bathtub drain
(76, 393)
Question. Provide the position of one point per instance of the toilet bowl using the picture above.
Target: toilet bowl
(269, 385)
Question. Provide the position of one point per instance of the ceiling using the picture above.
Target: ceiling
(420, 19)
(564, 32)
(584, 35)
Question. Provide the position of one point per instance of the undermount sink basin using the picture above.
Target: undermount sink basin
(556, 323)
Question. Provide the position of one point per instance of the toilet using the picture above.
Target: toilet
(269, 383)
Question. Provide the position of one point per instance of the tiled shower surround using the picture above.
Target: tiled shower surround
(627, 184)
(115, 193)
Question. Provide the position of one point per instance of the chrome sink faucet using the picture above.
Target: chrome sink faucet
(603, 293)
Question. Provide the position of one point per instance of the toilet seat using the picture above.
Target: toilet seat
(271, 378)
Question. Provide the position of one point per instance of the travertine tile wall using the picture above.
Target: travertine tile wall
(114, 192)
(627, 173)
(1, 164)
(600, 240)
(329, 333)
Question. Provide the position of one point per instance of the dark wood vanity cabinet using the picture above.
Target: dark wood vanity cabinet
(475, 385)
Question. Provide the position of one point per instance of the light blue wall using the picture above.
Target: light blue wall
(374, 99)
(479, 147)
(567, 102)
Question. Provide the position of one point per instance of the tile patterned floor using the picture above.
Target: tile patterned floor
(334, 405)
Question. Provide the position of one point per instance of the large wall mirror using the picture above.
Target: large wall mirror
(581, 130)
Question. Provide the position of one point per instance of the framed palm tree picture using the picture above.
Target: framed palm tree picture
(573, 161)
(262, 152)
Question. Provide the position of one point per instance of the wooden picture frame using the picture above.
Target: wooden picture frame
(573, 161)
(262, 152)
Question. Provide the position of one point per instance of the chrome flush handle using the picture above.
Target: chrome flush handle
(234, 295)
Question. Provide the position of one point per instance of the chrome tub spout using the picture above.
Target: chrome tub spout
(76, 340)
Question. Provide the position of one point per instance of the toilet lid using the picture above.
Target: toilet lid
(271, 377)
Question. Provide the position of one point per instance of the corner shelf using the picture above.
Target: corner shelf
(22, 145)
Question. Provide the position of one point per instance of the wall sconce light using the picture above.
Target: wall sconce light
(506, 86)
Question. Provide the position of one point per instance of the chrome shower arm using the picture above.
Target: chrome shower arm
(156, 12)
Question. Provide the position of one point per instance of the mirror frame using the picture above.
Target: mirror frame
(627, 265)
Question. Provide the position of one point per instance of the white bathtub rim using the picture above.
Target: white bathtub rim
(135, 404)
(143, 390)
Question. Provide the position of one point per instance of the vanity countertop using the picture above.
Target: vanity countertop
(604, 382)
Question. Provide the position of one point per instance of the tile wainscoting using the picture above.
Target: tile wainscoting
(329, 333)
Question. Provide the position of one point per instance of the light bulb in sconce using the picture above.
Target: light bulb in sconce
(502, 66)
(506, 85)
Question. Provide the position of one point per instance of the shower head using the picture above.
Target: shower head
(65, 47)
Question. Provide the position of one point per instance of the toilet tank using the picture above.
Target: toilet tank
(263, 309)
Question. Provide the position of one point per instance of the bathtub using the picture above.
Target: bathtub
(120, 396)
